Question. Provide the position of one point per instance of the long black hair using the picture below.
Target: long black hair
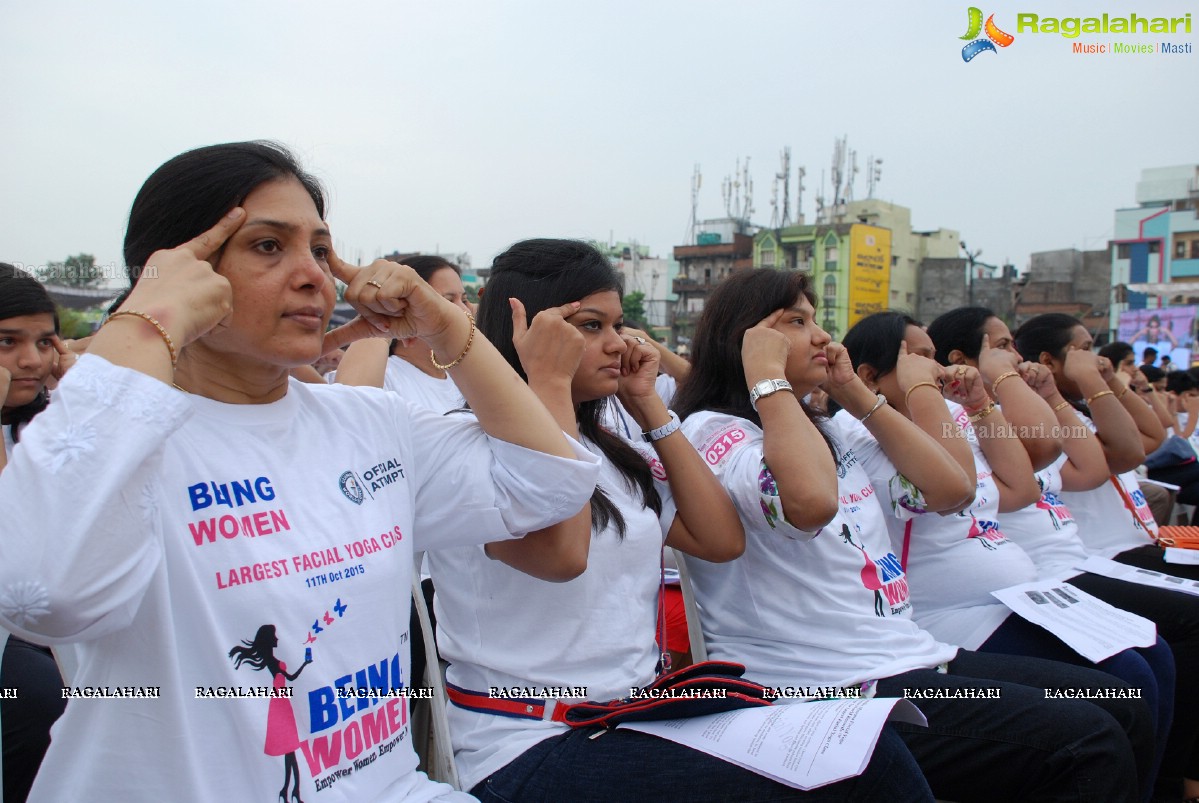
(1050, 334)
(258, 653)
(548, 273)
(959, 330)
(717, 378)
(21, 294)
(188, 194)
(875, 340)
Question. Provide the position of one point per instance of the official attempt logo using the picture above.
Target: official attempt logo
(994, 36)
(351, 487)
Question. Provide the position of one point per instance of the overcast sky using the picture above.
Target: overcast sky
(465, 126)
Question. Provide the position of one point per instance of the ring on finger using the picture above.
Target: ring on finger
(640, 340)
(375, 283)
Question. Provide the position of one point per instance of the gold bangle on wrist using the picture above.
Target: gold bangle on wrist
(925, 383)
(1091, 399)
(979, 415)
(1058, 407)
(150, 319)
(1120, 395)
(470, 340)
(1000, 378)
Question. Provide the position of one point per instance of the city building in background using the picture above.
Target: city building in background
(648, 275)
(1155, 246)
(721, 246)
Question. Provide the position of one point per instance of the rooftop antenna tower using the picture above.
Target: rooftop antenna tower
(697, 180)
(784, 175)
(774, 202)
(800, 172)
(837, 174)
(852, 175)
(747, 208)
(874, 172)
(726, 191)
(820, 200)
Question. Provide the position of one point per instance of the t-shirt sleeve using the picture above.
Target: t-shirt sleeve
(661, 483)
(82, 535)
(472, 488)
(904, 500)
(733, 448)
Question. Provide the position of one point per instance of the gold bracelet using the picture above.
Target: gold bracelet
(1120, 395)
(166, 337)
(983, 413)
(1099, 394)
(469, 342)
(1000, 378)
(1057, 407)
(925, 383)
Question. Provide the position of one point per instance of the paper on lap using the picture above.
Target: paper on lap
(804, 745)
(1091, 627)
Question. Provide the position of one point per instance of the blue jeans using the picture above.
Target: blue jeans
(632, 767)
(1150, 669)
(1023, 746)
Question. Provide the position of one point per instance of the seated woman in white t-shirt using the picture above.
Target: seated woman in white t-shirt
(502, 629)
(1049, 534)
(405, 366)
(821, 599)
(180, 495)
(1114, 520)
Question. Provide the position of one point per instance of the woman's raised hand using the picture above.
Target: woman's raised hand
(391, 301)
(964, 384)
(994, 363)
(840, 369)
(912, 369)
(1038, 377)
(638, 368)
(188, 296)
(1080, 364)
(764, 350)
(550, 345)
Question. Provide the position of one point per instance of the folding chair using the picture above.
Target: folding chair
(695, 630)
(434, 747)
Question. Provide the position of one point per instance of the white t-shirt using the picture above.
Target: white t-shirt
(161, 530)
(1046, 529)
(1113, 518)
(438, 395)
(828, 608)
(499, 627)
(953, 562)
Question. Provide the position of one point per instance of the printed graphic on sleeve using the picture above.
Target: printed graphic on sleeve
(769, 499)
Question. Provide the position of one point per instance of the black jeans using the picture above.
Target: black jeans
(1024, 746)
(632, 767)
(30, 670)
(1177, 618)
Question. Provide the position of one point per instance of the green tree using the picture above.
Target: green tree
(74, 324)
(77, 271)
(633, 305)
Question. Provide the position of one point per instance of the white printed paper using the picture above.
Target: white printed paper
(1182, 556)
(1134, 574)
(1092, 628)
(803, 745)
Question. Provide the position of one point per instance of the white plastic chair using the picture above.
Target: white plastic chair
(695, 630)
(436, 749)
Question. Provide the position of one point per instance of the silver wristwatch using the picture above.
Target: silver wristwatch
(766, 388)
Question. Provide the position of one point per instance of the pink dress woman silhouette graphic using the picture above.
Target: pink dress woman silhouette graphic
(282, 736)
(870, 578)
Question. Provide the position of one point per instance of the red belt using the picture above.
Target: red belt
(516, 707)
